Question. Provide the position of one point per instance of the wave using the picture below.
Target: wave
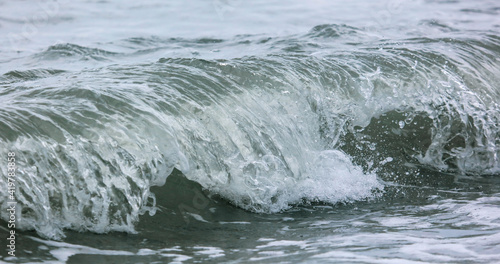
(302, 122)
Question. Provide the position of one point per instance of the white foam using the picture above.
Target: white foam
(197, 217)
(445, 236)
(63, 251)
(212, 252)
(330, 177)
(285, 243)
(236, 222)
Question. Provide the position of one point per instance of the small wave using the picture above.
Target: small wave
(64, 51)
(28, 75)
(331, 31)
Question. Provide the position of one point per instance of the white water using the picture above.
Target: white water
(271, 107)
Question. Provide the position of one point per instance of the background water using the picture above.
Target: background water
(227, 131)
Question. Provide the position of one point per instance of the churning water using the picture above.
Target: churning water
(226, 131)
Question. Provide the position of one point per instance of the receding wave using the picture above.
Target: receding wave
(265, 132)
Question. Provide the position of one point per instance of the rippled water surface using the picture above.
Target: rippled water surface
(234, 132)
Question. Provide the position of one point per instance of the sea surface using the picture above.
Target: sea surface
(231, 131)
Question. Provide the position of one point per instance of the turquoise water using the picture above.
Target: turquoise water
(233, 132)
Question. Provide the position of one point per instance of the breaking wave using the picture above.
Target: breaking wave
(299, 121)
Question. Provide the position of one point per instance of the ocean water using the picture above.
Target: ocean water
(228, 131)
